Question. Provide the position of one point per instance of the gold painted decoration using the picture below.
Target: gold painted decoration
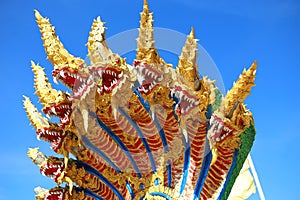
(140, 131)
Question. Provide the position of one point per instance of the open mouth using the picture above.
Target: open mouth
(186, 101)
(219, 130)
(68, 77)
(53, 135)
(79, 83)
(110, 78)
(52, 170)
(55, 194)
(147, 77)
(61, 110)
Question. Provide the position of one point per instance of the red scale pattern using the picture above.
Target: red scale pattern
(130, 139)
(217, 172)
(95, 161)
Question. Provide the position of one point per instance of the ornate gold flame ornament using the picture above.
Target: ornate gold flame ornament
(141, 131)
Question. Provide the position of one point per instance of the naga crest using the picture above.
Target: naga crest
(142, 131)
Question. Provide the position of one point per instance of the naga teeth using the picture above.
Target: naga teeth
(100, 73)
(53, 110)
(226, 128)
(120, 75)
(106, 88)
(62, 74)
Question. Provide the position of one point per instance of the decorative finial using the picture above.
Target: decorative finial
(35, 117)
(57, 54)
(241, 88)
(187, 66)
(44, 90)
(98, 50)
(145, 42)
(146, 4)
(36, 156)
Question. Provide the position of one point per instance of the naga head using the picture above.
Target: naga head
(67, 68)
(107, 68)
(108, 75)
(192, 93)
(232, 118)
(49, 166)
(151, 70)
(52, 134)
(47, 131)
(53, 168)
(185, 98)
(55, 103)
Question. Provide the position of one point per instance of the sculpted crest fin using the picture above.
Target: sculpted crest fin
(240, 89)
(35, 117)
(44, 90)
(98, 51)
(56, 52)
(36, 156)
(145, 42)
(187, 65)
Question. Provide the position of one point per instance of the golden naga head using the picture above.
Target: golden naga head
(106, 70)
(188, 70)
(232, 118)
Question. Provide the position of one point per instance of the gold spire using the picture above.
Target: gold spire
(145, 42)
(57, 54)
(187, 60)
(36, 156)
(44, 90)
(35, 117)
(241, 88)
(98, 50)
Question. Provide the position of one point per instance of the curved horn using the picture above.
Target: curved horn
(145, 42)
(241, 88)
(57, 54)
(36, 156)
(35, 117)
(44, 90)
(98, 50)
(187, 60)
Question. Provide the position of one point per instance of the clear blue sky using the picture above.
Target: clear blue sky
(233, 32)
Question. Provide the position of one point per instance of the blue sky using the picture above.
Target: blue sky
(234, 33)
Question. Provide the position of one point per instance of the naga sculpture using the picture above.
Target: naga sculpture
(142, 131)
